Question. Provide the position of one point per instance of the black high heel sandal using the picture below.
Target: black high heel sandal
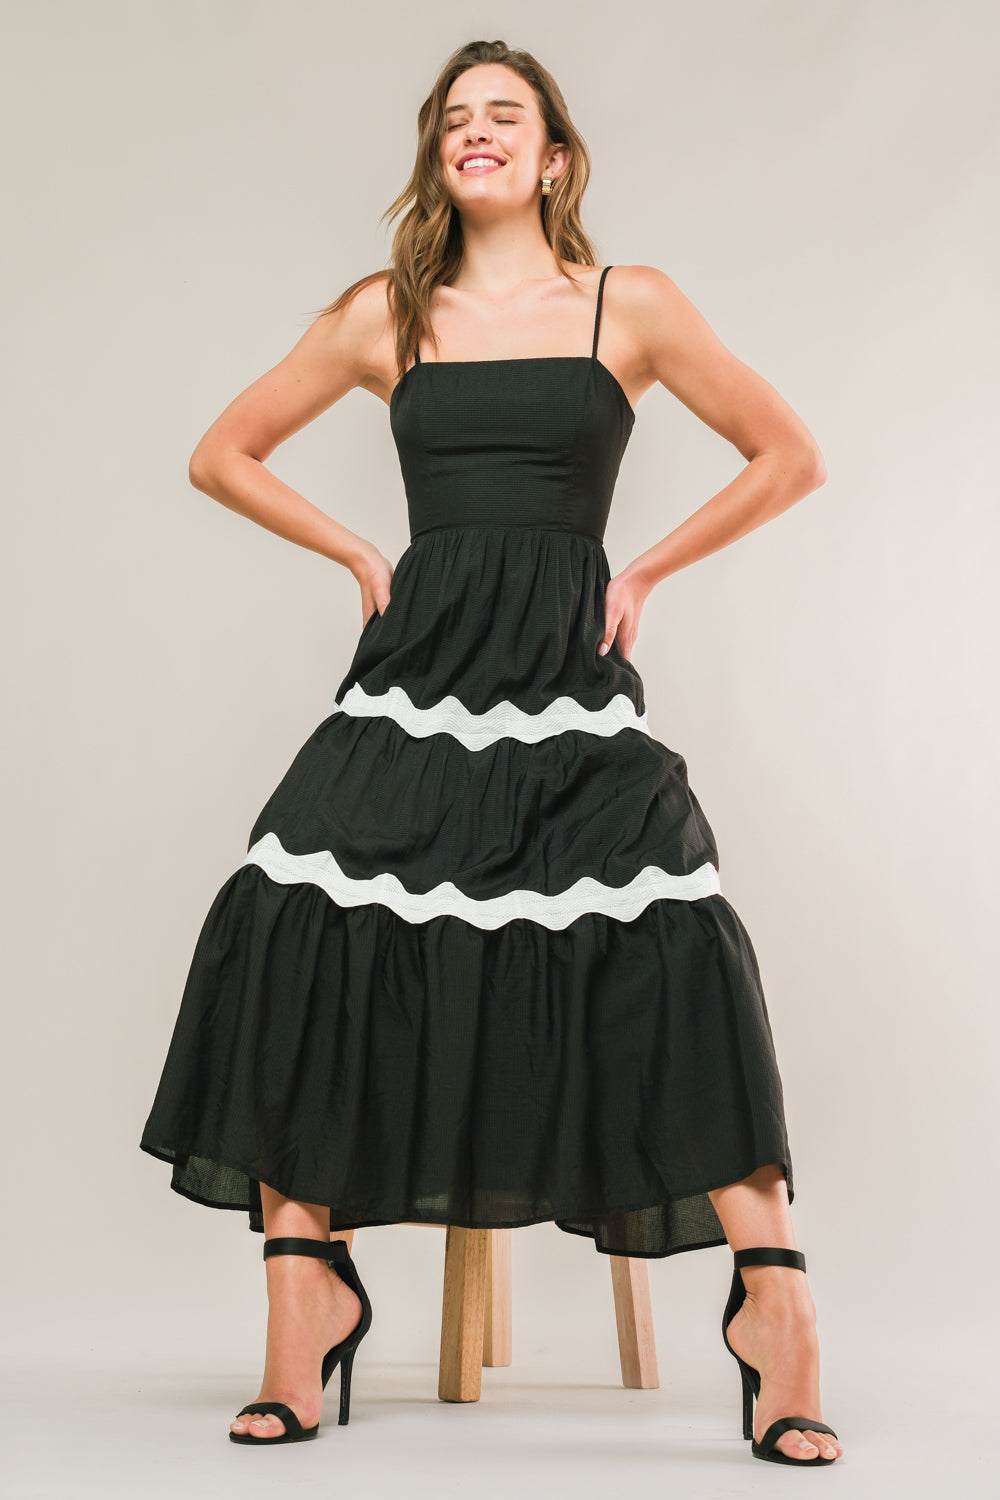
(337, 1255)
(767, 1256)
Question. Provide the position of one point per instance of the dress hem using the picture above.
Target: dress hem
(561, 1220)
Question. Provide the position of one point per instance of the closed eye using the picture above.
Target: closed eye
(459, 122)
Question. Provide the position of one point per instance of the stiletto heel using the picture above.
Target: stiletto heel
(345, 1388)
(766, 1255)
(337, 1255)
(747, 1405)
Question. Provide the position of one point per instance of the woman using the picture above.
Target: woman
(476, 967)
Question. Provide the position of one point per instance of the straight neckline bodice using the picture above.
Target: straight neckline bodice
(530, 359)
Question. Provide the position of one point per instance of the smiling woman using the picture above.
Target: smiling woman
(476, 966)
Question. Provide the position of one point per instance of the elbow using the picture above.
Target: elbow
(819, 474)
(199, 470)
(799, 466)
(811, 469)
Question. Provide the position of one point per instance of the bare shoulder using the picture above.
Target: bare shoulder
(667, 339)
(338, 351)
(642, 310)
(653, 309)
(359, 336)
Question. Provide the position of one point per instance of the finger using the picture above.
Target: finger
(610, 631)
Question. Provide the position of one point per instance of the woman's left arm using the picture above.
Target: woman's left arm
(673, 344)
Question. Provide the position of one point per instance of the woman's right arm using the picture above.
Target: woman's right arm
(336, 353)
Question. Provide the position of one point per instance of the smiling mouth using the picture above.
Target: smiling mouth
(483, 166)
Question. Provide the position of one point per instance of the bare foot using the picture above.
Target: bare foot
(309, 1310)
(775, 1331)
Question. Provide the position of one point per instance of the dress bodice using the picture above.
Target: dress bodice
(513, 442)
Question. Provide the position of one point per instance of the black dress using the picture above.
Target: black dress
(476, 967)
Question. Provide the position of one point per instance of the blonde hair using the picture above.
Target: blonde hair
(427, 246)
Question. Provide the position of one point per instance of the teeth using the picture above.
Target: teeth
(480, 161)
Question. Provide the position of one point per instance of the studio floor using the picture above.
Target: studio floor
(155, 1426)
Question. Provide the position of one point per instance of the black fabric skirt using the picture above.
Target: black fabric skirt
(476, 967)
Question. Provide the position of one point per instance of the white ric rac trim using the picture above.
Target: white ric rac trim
(503, 721)
(446, 900)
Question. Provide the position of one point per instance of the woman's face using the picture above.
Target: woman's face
(494, 149)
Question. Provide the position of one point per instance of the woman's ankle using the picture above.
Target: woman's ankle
(774, 1288)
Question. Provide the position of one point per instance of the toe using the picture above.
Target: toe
(267, 1426)
(807, 1445)
(797, 1445)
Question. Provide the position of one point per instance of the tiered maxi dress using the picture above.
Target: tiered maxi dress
(476, 967)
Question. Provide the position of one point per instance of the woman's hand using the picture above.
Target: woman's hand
(624, 597)
(374, 574)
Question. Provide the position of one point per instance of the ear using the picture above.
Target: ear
(557, 161)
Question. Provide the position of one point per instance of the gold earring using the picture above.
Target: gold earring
(546, 184)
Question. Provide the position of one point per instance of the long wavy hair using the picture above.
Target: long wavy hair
(427, 246)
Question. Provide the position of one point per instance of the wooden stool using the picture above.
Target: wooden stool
(476, 1312)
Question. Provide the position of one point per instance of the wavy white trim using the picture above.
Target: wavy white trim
(503, 721)
(446, 900)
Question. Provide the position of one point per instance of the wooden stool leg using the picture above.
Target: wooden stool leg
(460, 1372)
(633, 1313)
(497, 1333)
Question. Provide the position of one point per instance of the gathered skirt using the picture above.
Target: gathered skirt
(476, 967)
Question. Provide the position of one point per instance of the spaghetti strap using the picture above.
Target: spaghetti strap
(597, 318)
(416, 353)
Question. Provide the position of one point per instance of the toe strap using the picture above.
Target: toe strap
(276, 1409)
(790, 1424)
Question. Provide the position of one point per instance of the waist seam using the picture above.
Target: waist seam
(507, 526)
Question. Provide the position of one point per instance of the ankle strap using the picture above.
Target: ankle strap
(291, 1245)
(769, 1255)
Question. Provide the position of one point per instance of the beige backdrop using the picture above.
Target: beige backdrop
(186, 184)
